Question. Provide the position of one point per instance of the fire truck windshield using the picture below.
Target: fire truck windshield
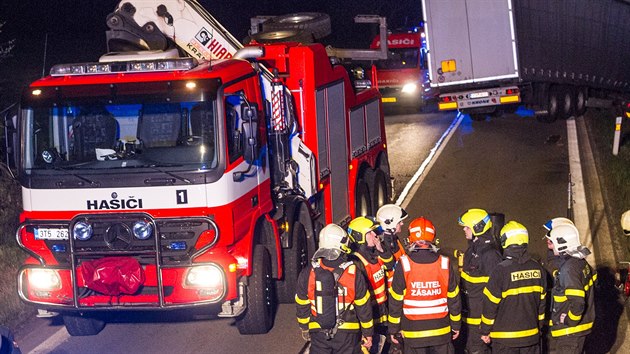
(399, 58)
(112, 128)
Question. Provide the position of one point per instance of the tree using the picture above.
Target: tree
(5, 47)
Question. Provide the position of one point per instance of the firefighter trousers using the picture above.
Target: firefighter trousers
(344, 342)
(435, 349)
(503, 349)
(570, 344)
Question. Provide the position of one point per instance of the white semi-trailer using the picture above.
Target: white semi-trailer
(489, 56)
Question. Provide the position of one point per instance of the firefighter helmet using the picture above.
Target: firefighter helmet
(421, 229)
(333, 241)
(389, 216)
(514, 233)
(478, 220)
(549, 225)
(565, 239)
(360, 227)
(625, 222)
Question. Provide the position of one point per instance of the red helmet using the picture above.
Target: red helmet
(421, 229)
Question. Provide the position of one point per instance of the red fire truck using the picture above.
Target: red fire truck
(152, 181)
(403, 77)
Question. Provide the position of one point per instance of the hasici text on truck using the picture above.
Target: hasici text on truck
(153, 181)
(403, 78)
(488, 57)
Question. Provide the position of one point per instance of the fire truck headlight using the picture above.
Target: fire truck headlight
(409, 88)
(208, 276)
(44, 279)
(82, 231)
(142, 229)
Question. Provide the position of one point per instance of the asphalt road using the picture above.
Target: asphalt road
(513, 165)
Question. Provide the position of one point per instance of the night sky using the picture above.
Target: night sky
(76, 28)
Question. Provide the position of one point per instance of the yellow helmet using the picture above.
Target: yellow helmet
(359, 227)
(514, 233)
(478, 220)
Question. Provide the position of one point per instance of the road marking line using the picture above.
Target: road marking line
(52, 342)
(426, 165)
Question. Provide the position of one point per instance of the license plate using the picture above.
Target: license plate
(388, 99)
(478, 95)
(43, 233)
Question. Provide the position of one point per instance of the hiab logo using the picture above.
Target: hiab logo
(115, 203)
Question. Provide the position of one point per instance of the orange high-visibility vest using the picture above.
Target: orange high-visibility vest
(426, 289)
(376, 275)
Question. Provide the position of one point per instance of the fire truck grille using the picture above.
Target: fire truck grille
(113, 235)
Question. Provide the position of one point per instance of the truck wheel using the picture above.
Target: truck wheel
(295, 259)
(362, 205)
(80, 325)
(258, 317)
(580, 101)
(283, 36)
(380, 196)
(567, 102)
(553, 107)
(312, 22)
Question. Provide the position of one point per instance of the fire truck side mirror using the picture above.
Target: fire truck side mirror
(250, 130)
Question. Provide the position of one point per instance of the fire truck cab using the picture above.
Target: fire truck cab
(155, 181)
(403, 77)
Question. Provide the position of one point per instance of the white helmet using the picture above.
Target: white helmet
(565, 239)
(625, 222)
(333, 240)
(549, 225)
(389, 215)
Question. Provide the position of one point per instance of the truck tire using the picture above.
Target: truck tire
(581, 96)
(567, 102)
(282, 36)
(379, 194)
(316, 23)
(552, 106)
(258, 317)
(294, 260)
(362, 204)
(81, 325)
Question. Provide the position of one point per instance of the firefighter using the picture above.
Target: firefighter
(625, 222)
(552, 263)
(572, 304)
(479, 260)
(374, 261)
(390, 217)
(336, 317)
(514, 297)
(424, 302)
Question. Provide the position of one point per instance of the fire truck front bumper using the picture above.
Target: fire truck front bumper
(58, 287)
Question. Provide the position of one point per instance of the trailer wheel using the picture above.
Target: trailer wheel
(567, 102)
(380, 196)
(553, 107)
(362, 205)
(258, 317)
(295, 259)
(82, 325)
(312, 22)
(580, 101)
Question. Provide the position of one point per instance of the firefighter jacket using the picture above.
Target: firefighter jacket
(353, 300)
(574, 297)
(374, 264)
(480, 259)
(424, 301)
(514, 300)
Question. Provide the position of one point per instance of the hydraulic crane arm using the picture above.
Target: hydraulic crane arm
(162, 24)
